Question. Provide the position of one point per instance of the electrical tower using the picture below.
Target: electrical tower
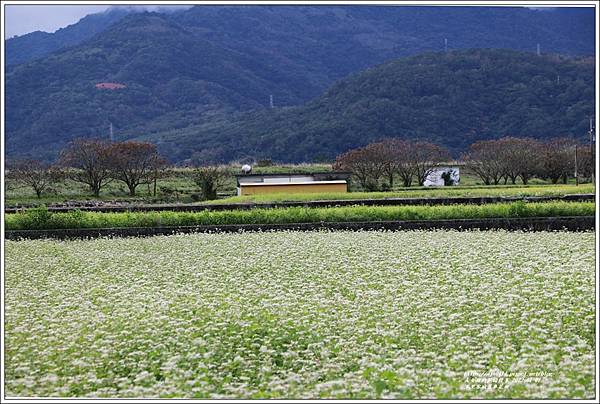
(271, 101)
(538, 50)
(446, 45)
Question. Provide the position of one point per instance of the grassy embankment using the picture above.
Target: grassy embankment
(35, 219)
(421, 192)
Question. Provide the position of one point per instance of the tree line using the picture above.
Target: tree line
(510, 158)
(392, 158)
(377, 165)
(97, 163)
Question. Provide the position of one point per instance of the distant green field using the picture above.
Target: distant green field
(38, 219)
(421, 192)
(177, 186)
(114, 191)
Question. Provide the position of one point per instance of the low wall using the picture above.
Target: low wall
(294, 188)
(571, 223)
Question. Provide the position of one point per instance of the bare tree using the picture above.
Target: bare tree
(585, 161)
(485, 160)
(90, 163)
(354, 161)
(522, 157)
(33, 173)
(531, 158)
(396, 156)
(404, 164)
(160, 171)
(425, 157)
(135, 163)
(557, 159)
(367, 164)
(392, 157)
(386, 153)
(210, 179)
(509, 155)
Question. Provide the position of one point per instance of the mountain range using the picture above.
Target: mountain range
(200, 81)
(452, 99)
(34, 45)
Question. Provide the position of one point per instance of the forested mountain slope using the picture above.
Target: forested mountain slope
(452, 99)
(204, 66)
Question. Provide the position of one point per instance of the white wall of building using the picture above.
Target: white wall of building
(435, 178)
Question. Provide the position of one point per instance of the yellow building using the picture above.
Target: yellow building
(251, 184)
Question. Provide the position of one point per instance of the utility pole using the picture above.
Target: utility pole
(446, 45)
(591, 133)
(538, 50)
(592, 140)
(576, 173)
(111, 132)
(271, 101)
(155, 178)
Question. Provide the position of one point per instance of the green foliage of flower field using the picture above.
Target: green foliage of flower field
(302, 315)
(37, 219)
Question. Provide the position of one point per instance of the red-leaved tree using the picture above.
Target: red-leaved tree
(88, 161)
(135, 163)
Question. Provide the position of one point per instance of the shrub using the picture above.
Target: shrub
(36, 218)
(518, 209)
(264, 163)
(210, 179)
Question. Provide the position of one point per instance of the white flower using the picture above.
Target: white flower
(302, 315)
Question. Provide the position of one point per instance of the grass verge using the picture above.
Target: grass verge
(511, 190)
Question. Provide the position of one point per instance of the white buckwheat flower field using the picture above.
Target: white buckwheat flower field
(407, 314)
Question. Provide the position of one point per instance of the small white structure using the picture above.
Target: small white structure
(436, 177)
(249, 184)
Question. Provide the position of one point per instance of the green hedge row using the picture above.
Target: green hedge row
(41, 218)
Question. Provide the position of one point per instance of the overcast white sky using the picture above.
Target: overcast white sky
(22, 19)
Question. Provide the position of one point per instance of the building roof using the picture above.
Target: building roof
(266, 184)
(294, 174)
